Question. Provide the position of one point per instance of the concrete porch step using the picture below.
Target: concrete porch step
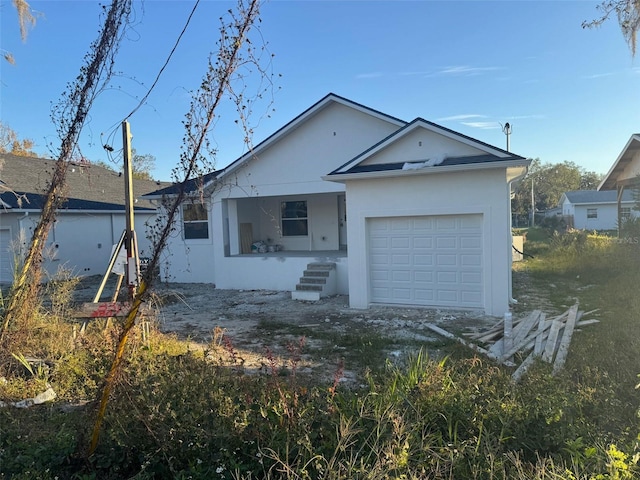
(318, 281)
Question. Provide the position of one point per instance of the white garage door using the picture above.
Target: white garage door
(430, 260)
(6, 257)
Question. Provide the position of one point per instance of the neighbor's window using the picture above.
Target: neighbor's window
(592, 213)
(195, 221)
(294, 219)
(625, 213)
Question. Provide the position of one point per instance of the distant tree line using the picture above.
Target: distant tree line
(550, 181)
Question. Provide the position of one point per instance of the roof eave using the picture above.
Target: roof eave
(341, 177)
(609, 183)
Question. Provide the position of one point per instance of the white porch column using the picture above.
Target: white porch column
(234, 227)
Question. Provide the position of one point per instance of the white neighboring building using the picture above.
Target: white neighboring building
(596, 209)
(394, 212)
(91, 220)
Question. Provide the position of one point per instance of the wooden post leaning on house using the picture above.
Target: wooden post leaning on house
(132, 269)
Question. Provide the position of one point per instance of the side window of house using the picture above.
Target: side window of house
(294, 218)
(592, 213)
(195, 221)
(625, 213)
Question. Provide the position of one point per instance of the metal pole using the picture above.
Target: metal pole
(533, 206)
(507, 131)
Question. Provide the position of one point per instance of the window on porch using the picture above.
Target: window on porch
(195, 221)
(294, 218)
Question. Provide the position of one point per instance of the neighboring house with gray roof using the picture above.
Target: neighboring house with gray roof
(89, 222)
(596, 209)
(347, 199)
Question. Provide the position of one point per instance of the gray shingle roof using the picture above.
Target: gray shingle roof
(90, 187)
(598, 196)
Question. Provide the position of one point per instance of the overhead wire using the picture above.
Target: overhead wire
(175, 46)
(155, 82)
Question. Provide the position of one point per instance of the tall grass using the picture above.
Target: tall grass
(189, 414)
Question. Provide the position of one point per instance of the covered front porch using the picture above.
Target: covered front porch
(272, 242)
(286, 225)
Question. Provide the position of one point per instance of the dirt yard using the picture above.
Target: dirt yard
(260, 326)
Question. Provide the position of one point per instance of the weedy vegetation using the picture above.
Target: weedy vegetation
(181, 413)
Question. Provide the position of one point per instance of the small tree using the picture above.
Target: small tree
(11, 143)
(142, 165)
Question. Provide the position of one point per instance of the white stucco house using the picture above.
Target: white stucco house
(91, 220)
(624, 174)
(346, 199)
(596, 209)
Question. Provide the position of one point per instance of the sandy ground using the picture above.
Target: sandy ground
(260, 325)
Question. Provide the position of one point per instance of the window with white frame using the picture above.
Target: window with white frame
(195, 221)
(592, 213)
(294, 218)
(625, 213)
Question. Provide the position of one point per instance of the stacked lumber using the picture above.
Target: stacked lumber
(536, 335)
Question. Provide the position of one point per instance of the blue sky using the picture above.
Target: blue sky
(569, 93)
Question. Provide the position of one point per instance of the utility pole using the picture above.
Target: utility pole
(130, 244)
(533, 206)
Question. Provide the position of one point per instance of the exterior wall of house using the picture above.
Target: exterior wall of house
(79, 242)
(296, 163)
(484, 192)
(607, 216)
(191, 260)
(568, 209)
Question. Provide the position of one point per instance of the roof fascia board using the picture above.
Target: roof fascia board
(341, 177)
(422, 123)
(293, 124)
(634, 138)
(602, 203)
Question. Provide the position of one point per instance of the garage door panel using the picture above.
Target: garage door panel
(400, 259)
(422, 223)
(430, 260)
(424, 295)
(471, 243)
(445, 223)
(400, 225)
(470, 298)
(400, 242)
(445, 242)
(422, 241)
(446, 260)
(470, 260)
(422, 277)
(401, 276)
(446, 277)
(471, 278)
(422, 260)
(471, 222)
(448, 296)
(380, 242)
